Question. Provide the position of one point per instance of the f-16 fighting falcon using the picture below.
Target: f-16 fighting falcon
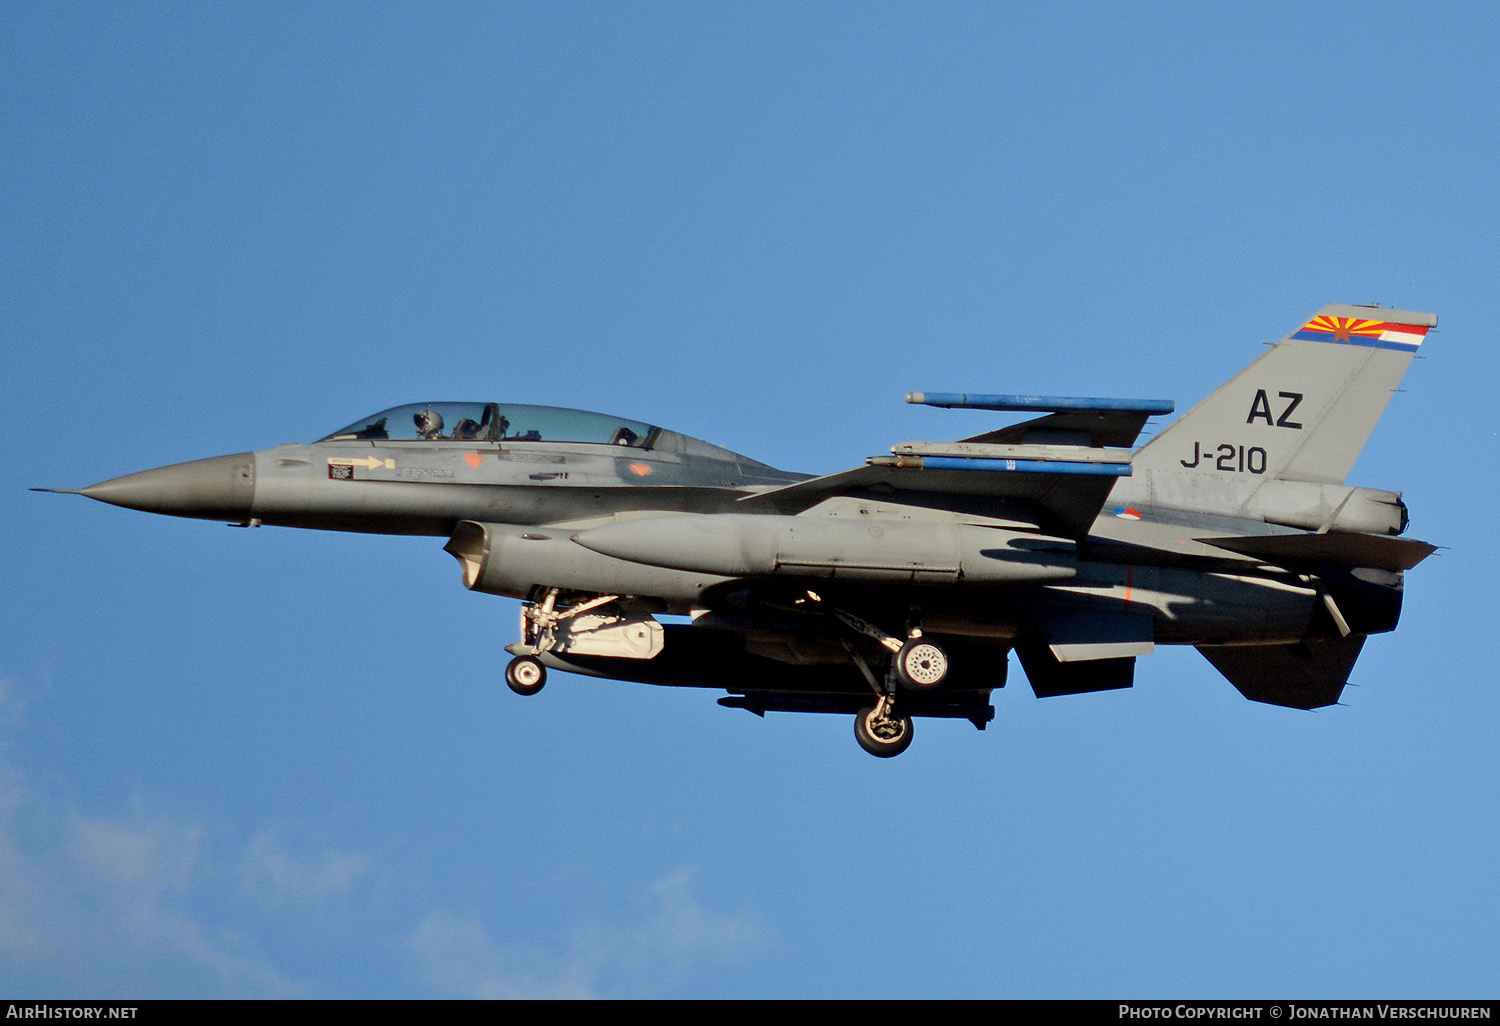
(897, 589)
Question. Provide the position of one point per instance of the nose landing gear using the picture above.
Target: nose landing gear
(881, 731)
(525, 676)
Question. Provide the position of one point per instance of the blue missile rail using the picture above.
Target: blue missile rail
(1032, 403)
(1000, 464)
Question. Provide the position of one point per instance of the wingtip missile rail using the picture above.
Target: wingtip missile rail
(1002, 464)
(1037, 403)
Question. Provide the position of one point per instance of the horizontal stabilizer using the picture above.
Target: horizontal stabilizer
(1306, 675)
(1378, 551)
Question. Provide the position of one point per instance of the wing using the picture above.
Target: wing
(1080, 421)
(1061, 502)
(1055, 471)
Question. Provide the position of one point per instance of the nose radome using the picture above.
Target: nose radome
(220, 488)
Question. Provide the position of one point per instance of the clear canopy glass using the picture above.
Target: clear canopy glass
(493, 422)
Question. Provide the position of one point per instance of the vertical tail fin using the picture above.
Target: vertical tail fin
(1304, 409)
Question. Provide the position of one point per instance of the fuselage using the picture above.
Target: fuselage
(518, 510)
(902, 587)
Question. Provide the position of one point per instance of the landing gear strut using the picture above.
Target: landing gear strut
(917, 666)
(541, 624)
(541, 621)
(881, 731)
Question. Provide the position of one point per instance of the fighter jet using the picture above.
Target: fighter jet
(897, 589)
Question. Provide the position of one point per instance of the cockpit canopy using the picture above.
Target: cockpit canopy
(494, 422)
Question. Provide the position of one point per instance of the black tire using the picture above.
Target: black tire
(887, 741)
(921, 666)
(525, 676)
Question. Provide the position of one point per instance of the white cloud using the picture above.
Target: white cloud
(30, 925)
(106, 904)
(275, 878)
(137, 880)
(684, 933)
(144, 860)
(136, 902)
(457, 955)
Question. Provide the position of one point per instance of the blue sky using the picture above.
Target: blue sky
(273, 762)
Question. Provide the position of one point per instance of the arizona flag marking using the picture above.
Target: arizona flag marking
(1354, 331)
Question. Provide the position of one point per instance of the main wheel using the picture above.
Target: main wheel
(921, 665)
(525, 676)
(885, 736)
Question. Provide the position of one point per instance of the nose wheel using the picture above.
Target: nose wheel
(525, 676)
(881, 731)
(541, 622)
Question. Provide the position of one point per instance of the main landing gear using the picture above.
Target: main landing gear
(917, 667)
(920, 665)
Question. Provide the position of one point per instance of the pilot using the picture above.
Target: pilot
(429, 424)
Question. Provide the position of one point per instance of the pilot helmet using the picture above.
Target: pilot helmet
(429, 422)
